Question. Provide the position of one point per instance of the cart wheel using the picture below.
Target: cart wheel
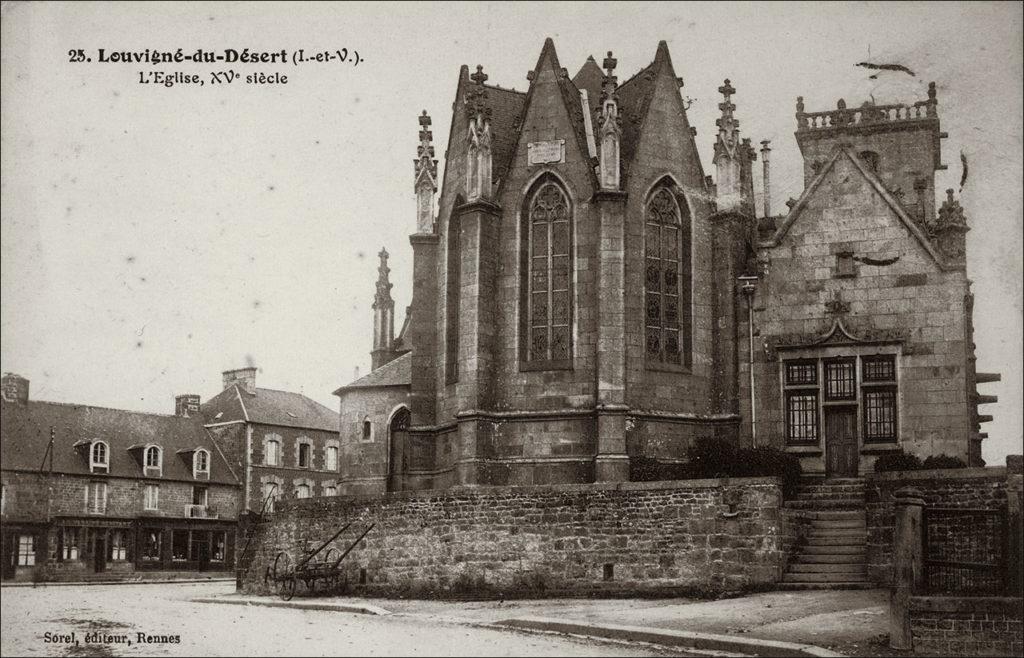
(331, 556)
(283, 566)
(287, 588)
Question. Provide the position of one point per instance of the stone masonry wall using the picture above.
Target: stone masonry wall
(967, 626)
(910, 299)
(37, 497)
(981, 488)
(573, 539)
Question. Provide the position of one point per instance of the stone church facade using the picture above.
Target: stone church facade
(586, 294)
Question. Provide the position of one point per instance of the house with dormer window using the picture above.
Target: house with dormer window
(91, 492)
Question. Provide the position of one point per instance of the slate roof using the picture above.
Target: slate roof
(590, 78)
(25, 435)
(392, 373)
(634, 99)
(506, 114)
(269, 407)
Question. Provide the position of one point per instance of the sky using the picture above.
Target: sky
(154, 236)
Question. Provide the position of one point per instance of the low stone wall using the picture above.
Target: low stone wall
(981, 488)
(976, 626)
(643, 537)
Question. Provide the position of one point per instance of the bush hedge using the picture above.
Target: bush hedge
(904, 461)
(716, 458)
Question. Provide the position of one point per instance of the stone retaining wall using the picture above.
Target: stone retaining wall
(649, 537)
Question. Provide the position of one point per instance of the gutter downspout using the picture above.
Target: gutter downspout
(248, 465)
(750, 367)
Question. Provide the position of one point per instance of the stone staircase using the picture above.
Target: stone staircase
(833, 554)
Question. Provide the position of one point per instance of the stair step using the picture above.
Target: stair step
(822, 497)
(790, 577)
(827, 567)
(843, 504)
(838, 524)
(835, 515)
(826, 492)
(833, 585)
(831, 558)
(820, 531)
(832, 549)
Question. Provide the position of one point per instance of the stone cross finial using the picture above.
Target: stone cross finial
(727, 122)
(609, 64)
(425, 122)
(383, 255)
(727, 90)
(479, 77)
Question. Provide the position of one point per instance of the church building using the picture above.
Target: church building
(586, 294)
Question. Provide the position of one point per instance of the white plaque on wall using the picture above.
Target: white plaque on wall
(544, 152)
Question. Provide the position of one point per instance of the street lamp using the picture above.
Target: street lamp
(748, 285)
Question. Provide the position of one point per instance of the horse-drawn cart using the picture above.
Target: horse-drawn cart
(317, 567)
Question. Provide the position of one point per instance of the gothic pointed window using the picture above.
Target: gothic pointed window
(547, 278)
(667, 279)
(452, 291)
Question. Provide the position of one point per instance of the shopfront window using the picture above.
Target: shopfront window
(69, 543)
(179, 546)
(118, 546)
(151, 542)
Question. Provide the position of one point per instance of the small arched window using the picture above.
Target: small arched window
(152, 457)
(871, 159)
(302, 491)
(547, 277)
(99, 454)
(367, 429)
(667, 279)
(200, 463)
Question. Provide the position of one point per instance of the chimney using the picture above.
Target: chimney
(14, 388)
(244, 377)
(187, 405)
(765, 150)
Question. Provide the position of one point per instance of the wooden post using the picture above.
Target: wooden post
(908, 572)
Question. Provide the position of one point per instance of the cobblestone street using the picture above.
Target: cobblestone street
(116, 611)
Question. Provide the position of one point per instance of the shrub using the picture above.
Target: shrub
(904, 461)
(897, 461)
(943, 461)
(712, 458)
(718, 458)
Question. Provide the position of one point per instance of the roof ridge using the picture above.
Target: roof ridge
(508, 90)
(241, 402)
(636, 75)
(96, 406)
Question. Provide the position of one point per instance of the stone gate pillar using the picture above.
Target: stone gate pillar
(908, 564)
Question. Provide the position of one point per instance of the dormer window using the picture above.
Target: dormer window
(153, 460)
(99, 455)
(200, 463)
